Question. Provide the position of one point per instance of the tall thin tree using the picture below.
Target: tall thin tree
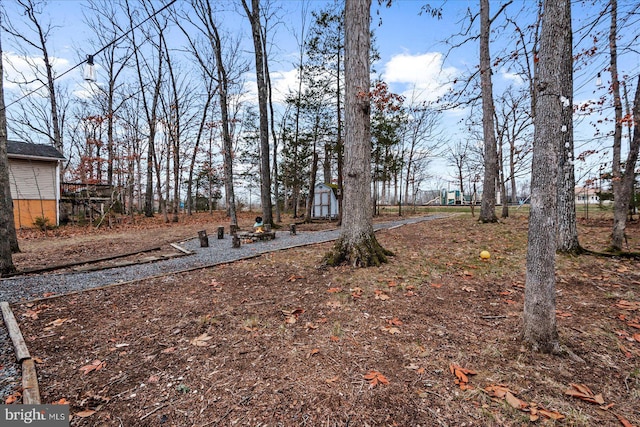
(253, 14)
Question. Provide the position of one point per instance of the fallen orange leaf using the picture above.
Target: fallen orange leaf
(334, 290)
(583, 392)
(515, 402)
(375, 378)
(554, 415)
(84, 414)
(395, 321)
(461, 374)
(436, 285)
(96, 365)
(628, 305)
(623, 421)
(497, 390)
(12, 398)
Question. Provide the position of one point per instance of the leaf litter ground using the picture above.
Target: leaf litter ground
(431, 338)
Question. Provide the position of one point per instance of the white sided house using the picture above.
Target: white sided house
(325, 201)
(34, 179)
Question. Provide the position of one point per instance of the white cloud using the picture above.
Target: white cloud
(20, 68)
(420, 77)
(514, 78)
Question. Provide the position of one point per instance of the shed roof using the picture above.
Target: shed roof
(27, 150)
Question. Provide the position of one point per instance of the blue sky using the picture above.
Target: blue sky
(411, 46)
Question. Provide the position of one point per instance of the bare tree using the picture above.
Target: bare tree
(145, 74)
(38, 40)
(357, 244)
(458, 156)
(539, 317)
(488, 208)
(621, 194)
(261, 68)
(225, 74)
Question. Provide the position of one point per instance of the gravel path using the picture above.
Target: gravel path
(25, 288)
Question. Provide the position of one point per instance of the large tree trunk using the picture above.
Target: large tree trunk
(7, 226)
(539, 317)
(357, 244)
(567, 228)
(488, 208)
(621, 202)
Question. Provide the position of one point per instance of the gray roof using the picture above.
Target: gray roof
(27, 150)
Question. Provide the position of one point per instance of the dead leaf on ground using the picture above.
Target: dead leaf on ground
(12, 398)
(291, 316)
(381, 295)
(623, 421)
(515, 402)
(201, 340)
(395, 321)
(96, 365)
(62, 401)
(293, 278)
(31, 314)
(461, 374)
(468, 289)
(563, 314)
(391, 329)
(85, 414)
(497, 390)
(375, 378)
(436, 285)
(56, 323)
(628, 305)
(334, 290)
(583, 392)
(356, 292)
(554, 415)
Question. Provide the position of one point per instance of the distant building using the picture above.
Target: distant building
(34, 179)
(325, 201)
(587, 196)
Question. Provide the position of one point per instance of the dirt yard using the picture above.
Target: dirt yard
(430, 339)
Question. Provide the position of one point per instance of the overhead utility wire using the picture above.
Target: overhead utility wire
(117, 39)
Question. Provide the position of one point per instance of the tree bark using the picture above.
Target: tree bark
(223, 91)
(539, 317)
(7, 226)
(488, 208)
(260, 60)
(567, 229)
(621, 202)
(357, 244)
(619, 209)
